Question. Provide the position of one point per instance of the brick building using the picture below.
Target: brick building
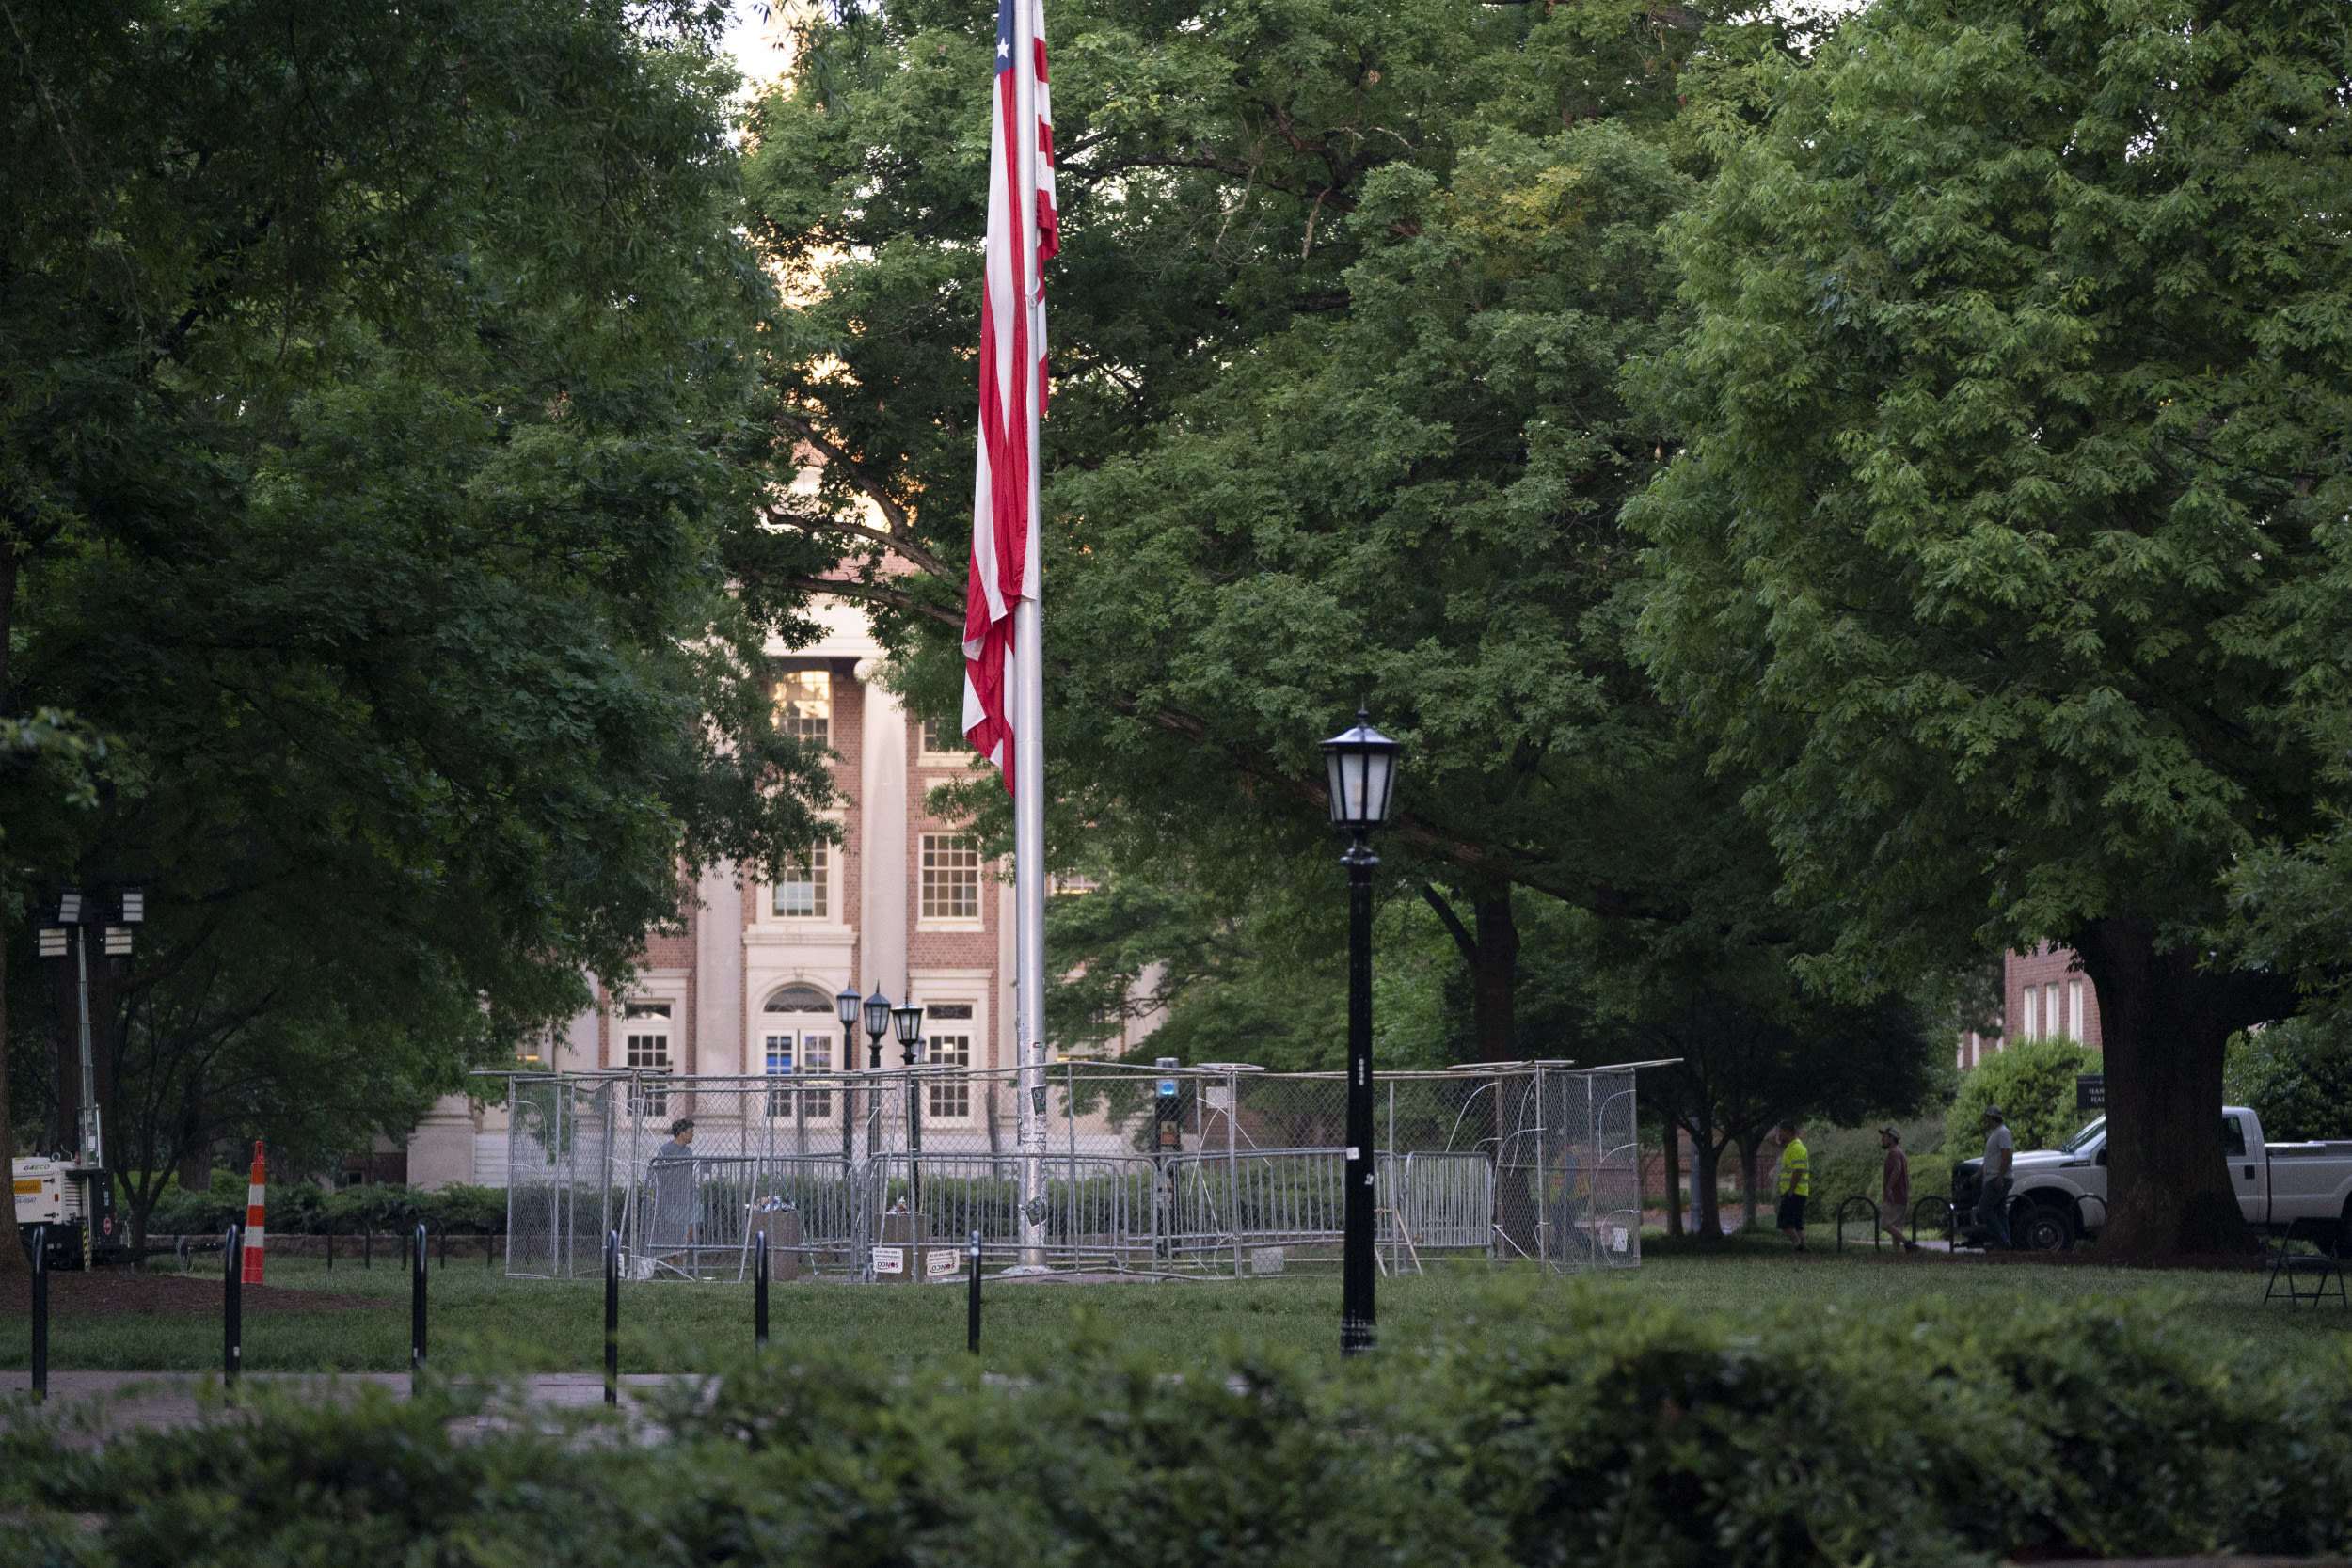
(905, 901)
(2043, 996)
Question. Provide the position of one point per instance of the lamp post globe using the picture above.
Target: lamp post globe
(908, 1021)
(1361, 764)
(877, 1007)
(845, 1004)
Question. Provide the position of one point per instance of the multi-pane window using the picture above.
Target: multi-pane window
(802, 893)
(944, 737)
(789, 1047)
(951, 877)
(817, 1057)
(804, 705)
(646, 1036)
(950, 1093)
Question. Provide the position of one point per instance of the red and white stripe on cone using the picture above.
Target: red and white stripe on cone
(253, 1228)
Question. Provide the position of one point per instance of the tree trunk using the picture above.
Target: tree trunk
(1673, 1177)
(1708, 1157)
(1492, 956)
(13, 1258)
(2165, 1024)
(1495, 983)
(1748, 1150)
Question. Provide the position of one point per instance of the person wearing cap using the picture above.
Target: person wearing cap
(1796, 1183)
(673, 1174)
(1895, 1187)
(1992, 1197)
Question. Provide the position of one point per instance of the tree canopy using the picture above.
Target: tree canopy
(2014, 406)
(372, 386)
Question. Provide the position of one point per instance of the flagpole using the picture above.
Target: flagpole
(1028, 894)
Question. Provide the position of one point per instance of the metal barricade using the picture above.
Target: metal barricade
(1206, 1168)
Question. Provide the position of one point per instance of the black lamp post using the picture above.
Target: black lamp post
(877, 1025)
(908, 1022)
(845, 1005)
(1363, 764)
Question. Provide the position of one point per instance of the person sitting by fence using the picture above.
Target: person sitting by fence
(1895, 1188)
(672, 1177)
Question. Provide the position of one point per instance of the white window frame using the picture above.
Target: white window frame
(977, 920)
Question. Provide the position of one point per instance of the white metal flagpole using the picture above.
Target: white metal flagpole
(1028, 893)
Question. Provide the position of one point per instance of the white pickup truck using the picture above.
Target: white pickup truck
(2057, 1195)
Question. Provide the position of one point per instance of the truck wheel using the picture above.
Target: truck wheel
(2044, 1229)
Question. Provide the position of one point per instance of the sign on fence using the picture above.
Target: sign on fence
(890, 1260)
(2090, 1091)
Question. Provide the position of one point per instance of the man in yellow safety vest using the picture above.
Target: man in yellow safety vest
(1796, 1183)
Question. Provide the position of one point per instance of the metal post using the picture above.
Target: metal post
(232, 1307)
(1355, 1277)
(611, 1317)
(41, 1314)
(416, 1315)
(971, 1323)
(759, 1290)
(93, 1152)
(915, 1151)
(1028, 866)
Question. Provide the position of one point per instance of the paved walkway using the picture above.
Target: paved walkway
(96, 1406)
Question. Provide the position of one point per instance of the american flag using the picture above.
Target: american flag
(1022, 232)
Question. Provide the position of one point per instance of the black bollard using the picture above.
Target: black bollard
(760, 1290)
(330, 1252)
(367, 1247)
(972, 1325)
(232, 1307)
(41, 1314)
(416, 1317)
(613, 1317)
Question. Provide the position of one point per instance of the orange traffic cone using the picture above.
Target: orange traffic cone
(253, 1228)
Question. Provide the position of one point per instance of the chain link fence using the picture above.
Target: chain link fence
(1220, 1168)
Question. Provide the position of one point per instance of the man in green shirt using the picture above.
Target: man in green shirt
(1796, 1183)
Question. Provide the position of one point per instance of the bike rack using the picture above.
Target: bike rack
(1877, 1232)
(1951, 1219)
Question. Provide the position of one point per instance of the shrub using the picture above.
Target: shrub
(305, 1208)
(2298, 1077)
(1553, 1428)
(2033, 1083)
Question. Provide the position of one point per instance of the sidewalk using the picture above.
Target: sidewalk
(100, 1406)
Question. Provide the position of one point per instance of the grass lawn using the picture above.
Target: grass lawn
(482, 1318)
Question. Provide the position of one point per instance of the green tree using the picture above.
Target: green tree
(2015, 404)
(2033, 1082)
(1343, 300)
(373, 381)
(2298, 1077)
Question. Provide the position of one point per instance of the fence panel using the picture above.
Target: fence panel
(1188, 1170)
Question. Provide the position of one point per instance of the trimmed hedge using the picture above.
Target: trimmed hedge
(1551, 1430)
(307, 1209)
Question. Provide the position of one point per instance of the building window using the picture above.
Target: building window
(802, 895)
(1075, 881)
(645, 1030)
(944, 737)
(804, 705)
(951, 877)
(2050, 1017)
(951, 1094)
(2074, 1010)
(2029, 1025)
(790, 1048)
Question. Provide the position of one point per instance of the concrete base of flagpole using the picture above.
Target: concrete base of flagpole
(1024, 1271)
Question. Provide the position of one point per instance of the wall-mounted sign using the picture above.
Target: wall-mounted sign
(2090, 1091)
